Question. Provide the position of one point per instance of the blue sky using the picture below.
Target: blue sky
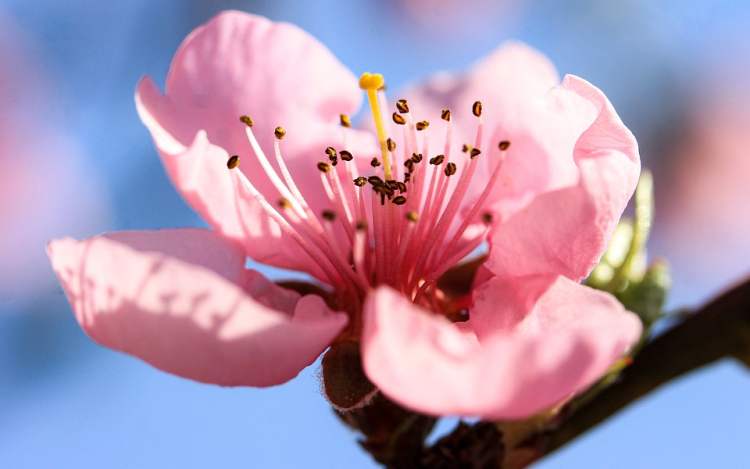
(65, 402)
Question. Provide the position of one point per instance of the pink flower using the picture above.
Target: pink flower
(546, 205)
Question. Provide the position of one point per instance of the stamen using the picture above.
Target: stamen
(411, 218)
(437, 160)
(345, 155)
(247, 120)
(324, 167)
(233, 162)
(486, 218)
(375, 163)
(398, 119)
(375, 181)
(450, 211)
(402, 106)
(360, 181)
(421, 125)
(345, 121)
(504, 145)
(474, 152)
(477, 108)
(446, 115)
(450, 169)
(333, 189)
(391, 145)
(288, 229)
(332, 155)
(399, 200)
(279, 133)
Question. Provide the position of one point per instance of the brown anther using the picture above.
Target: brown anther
(409, 165)
(437, 160)
(247, 120)
(383, 190)
(375, 163)
(345, 122)
(345, 155)
(487, 218)
(233, 162)
(416, 157)
(504, 145)
(390, 144)
(474, 152)
(477, 108)
(446, 115)
(324, 167)
(329, 215)
(392, 183)
(401, 187)
(412, 216)
(466, 148)
(402, 106)
(375, 181)
(398, 118)
(332, 155)
(361, 225)
(399, 200)
(284, 203)
(450, 169)
(421, 125)
(279, 132)
(407, 177)
(360, 181)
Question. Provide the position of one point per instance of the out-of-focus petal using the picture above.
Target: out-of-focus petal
(240, 64)
(44, 173)
(511, 83)
(569, 337)
(510, 75)
(182, 301)
(565, 231)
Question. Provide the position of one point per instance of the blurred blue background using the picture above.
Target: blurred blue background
(77, 161)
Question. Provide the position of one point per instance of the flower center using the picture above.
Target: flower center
(403, 225)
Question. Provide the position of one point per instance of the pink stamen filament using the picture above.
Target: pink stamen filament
(409, 254)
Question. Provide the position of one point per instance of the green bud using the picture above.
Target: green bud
(646, 298)
(624, 262)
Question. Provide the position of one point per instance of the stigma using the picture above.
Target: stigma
(405, 222)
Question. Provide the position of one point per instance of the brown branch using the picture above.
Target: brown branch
(719, 329)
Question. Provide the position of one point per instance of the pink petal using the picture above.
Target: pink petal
(565, 231)
(427, 364)
(182, 301)
(239, 64)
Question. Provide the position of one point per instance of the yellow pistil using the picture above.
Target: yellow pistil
(371, 83)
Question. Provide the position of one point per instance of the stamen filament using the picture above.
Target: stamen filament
(285, 226)
(450, 210)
